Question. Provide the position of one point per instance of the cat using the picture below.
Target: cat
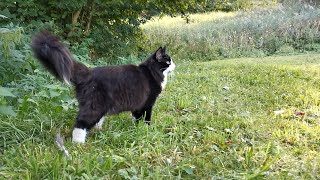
(104, 90)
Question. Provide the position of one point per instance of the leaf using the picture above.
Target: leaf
(4, 30)
(215, 147)
(56, 87)
(118, 159)
(85, 176)
(124, 173)
(54, 93)
(42, 94)
(7, 110)
(132, 170)
(6, 92)
(265, 167)
(188, 168)
(31, 100)
(2, 16)
(299, 113)
(17, 54)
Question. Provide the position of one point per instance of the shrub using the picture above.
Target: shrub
(15, 55)
(10, 64)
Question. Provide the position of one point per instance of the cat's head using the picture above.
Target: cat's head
(160, 63)
(164, 61)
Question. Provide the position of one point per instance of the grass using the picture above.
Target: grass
(199, 130)
(177, 22)
(259, 33)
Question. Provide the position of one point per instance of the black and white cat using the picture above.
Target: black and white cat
(104, 90)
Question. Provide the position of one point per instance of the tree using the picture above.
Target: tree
(112, 25)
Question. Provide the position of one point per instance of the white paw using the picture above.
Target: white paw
(79, 135)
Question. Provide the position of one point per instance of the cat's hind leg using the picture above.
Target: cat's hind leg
(137, 115)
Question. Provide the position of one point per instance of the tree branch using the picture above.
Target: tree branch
(86, 32)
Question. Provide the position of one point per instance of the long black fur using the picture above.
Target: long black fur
(104, 90)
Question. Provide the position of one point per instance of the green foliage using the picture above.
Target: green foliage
(15, 55)
(9, 37)
(4, 109)
(12, 64)
(231, 5)
(113, 25)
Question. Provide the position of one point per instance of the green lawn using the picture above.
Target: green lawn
(215, 120)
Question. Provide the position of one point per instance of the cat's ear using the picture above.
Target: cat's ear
(159, 54)
(164, 50)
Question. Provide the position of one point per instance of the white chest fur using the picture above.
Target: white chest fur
(165, 74)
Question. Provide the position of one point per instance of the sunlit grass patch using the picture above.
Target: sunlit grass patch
(193, 19)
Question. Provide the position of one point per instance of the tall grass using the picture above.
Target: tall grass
(239, 34)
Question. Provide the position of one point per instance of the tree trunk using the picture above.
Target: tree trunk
(86, 32)
(75, 17)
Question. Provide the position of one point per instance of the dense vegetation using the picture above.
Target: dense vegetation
(105, 27)
(263, 124)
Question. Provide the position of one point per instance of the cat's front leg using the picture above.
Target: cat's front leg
(146, 113)
(86, 119)
(147, 118)
(137, 115)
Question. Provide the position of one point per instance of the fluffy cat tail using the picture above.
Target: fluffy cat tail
(57, 59)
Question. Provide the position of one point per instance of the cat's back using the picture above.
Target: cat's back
(126, 86)
(122, 71)
(123, 75)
